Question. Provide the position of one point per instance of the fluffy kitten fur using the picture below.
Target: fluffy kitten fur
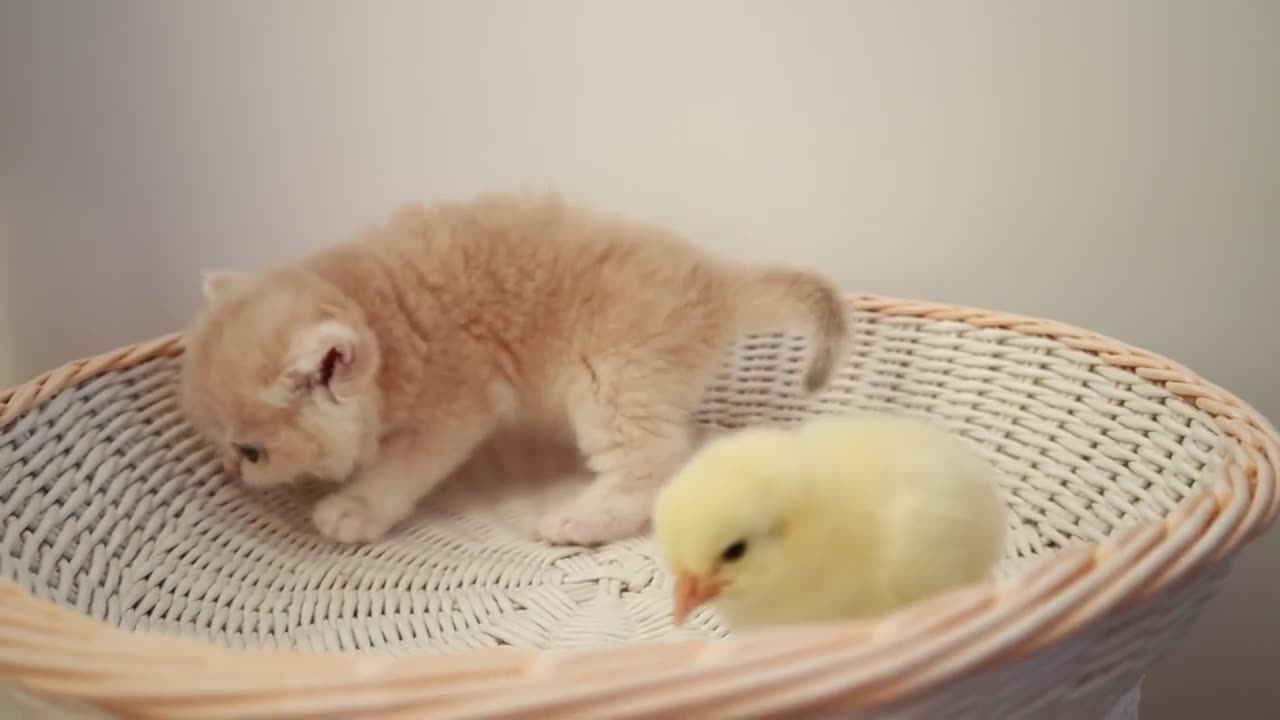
(384, 362)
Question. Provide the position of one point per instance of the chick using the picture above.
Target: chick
(842, 517)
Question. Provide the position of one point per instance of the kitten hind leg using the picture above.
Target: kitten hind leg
(633, 431)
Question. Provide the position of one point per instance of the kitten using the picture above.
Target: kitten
(382, 363)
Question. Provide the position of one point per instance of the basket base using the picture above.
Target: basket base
(1127, 707)
(18, 704)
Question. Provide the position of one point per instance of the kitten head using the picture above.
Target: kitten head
(280, 373)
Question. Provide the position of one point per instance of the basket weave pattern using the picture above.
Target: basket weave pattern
(1131, 481)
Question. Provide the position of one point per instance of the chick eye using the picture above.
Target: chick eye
(251, 453)
(734, 551)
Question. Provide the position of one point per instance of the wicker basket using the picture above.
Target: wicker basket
(137, 583)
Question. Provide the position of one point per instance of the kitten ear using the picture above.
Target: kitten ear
(217, 282)
(322, 355)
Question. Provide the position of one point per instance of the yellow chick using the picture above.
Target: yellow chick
(841, 517)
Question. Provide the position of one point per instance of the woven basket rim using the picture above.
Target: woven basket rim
(840, 667)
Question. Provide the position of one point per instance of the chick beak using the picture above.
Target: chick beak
(692, 592)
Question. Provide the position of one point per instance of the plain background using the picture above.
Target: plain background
(1110, 164)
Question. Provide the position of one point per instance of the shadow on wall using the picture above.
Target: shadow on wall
(10, 374)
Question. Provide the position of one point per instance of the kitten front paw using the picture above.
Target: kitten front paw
(591, 520)
(350, 519)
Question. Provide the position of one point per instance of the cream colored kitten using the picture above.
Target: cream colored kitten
(383, 363)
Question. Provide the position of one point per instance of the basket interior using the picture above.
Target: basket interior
(111, 505)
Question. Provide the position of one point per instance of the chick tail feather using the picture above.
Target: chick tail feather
(773, 299)
(942, 547)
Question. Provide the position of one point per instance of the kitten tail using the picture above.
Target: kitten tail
(775, 298)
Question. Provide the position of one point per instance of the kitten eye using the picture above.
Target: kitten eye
(734, 551)
(251, 453)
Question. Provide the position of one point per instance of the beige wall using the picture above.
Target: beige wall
(1115, 165)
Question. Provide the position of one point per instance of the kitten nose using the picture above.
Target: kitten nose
(231, 468)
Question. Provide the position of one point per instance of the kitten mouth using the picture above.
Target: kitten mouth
(231, 469)
(313, 481)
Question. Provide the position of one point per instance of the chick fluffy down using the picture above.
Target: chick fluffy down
(844, 517)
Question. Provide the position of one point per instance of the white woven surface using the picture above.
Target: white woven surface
(110, 505)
